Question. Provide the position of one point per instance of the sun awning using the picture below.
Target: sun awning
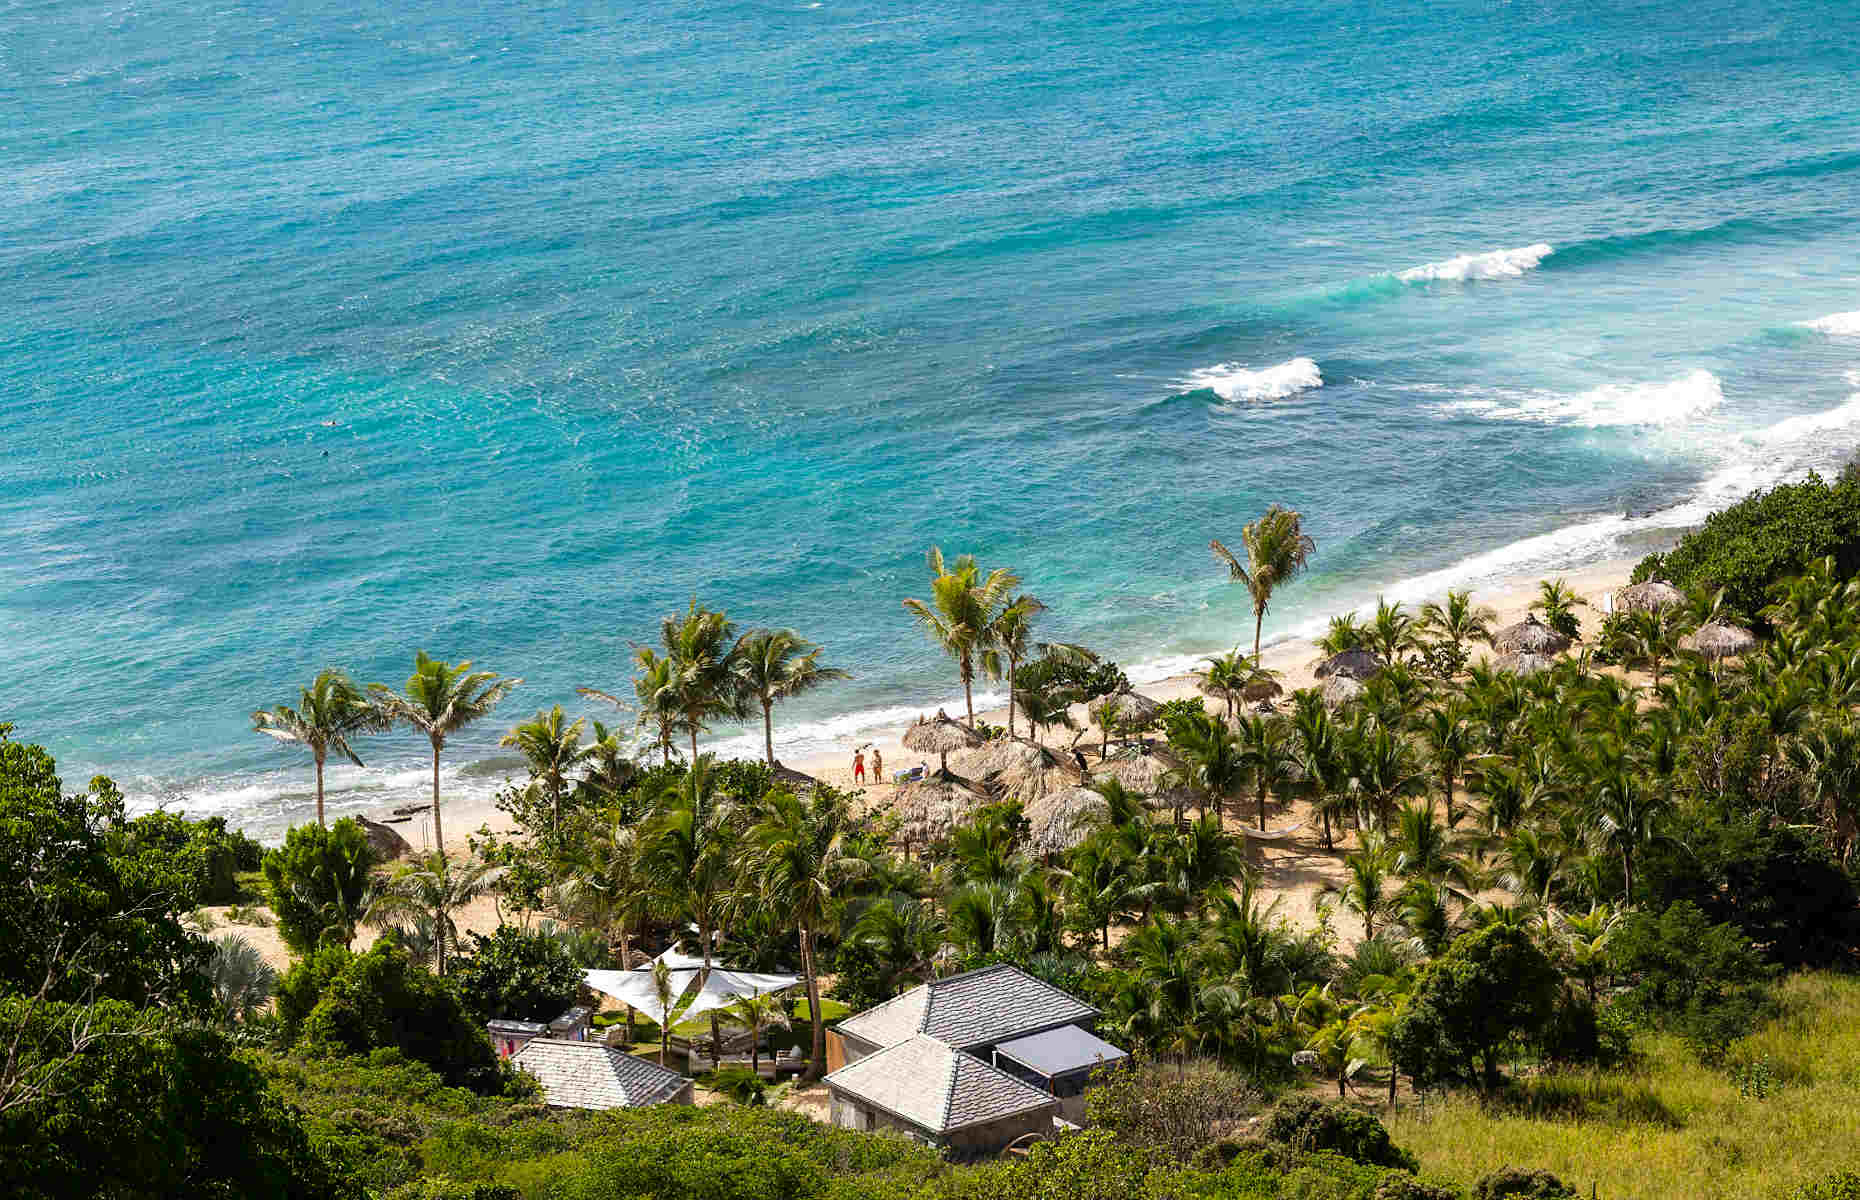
(723, 988)
(1060, 1051)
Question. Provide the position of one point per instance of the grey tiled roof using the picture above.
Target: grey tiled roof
(591, 1075)
(975, 1008)
(935, 1086)
(1058, 1051)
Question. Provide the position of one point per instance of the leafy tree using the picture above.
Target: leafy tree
(1705, 980)
(319, 883)
(86, 911)
(1306, 1123)
(329, 712)
(962, 612)
(439, 700)
(1277, 548)
(432, 890)
(129, 1104)
(777, 664)
(515, 974)
(206, 853)
(383, 999)
(1174, 1111)
(1487, 989)
(1519, 1183)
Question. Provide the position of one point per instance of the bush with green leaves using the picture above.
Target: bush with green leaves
(1763, 539)
(382, 999)
(1490, 989)
(318, 883)
(1172, 1109)
(1842, 1185)
(1518, 1183)
(1705, 981)
(740, 1085)
(206, 852)
(516, 974)
(1305, 1124)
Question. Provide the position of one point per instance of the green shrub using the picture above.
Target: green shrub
(517, 975)
(1490, 988)
(1762, 539)
(741, 1085)
(1172, 1110)
(206, 853)
(1580, 1033)
(1842, 1185)
(1306, 1124)
(316, 883)
(1507, 1183)
(1704, 981)
(382, 1000)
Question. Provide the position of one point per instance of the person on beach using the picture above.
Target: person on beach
(858, 766)
(878, 766)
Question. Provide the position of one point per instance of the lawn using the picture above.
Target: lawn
(1674, 1127)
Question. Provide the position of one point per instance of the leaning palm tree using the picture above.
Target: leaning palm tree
(799, 863)
(553, 751)
(329, 712)
(1277, 548)
(243, 981)
(440, 699)
(757, 1013)
(1008, 639)
(432, 889)
(688, 856)
(777, 664)
(961, 613)
(704, 684)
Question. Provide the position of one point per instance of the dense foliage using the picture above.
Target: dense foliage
(318, 882)
(517, 974)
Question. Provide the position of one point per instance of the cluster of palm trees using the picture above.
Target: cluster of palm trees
(979, 620)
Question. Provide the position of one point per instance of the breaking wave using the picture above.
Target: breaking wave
(1695, 394)
(1493, 264)
(1845, 324)
(1232, 382)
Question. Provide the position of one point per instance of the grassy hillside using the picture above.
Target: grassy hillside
(1676, 1127)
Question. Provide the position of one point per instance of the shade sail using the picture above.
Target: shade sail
(723, 988)
(634, 988)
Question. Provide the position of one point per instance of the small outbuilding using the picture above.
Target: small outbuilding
(596, 1076)
(940, 1095)
(1059, 1062)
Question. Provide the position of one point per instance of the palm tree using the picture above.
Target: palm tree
(1269, 753)
(778, 664)
(1448, 737)
(801, 863)
(243, 981)
(658, 700)
(688, 853)
(1558, 603)
(1277, 548)
(1383, 769)
(1828, 760)
(329, 712)
(961, 614)
(705, 683)
(1370, 890)
(1459, 620)
(905, 933)
(1393, 633)
(605, 888)
(1653, 639)
(664, 993)
(1214, 765)
(1226, 677)
(440, 699)
(433, 889)
(1627, 815)
(1344, 633)
(1008, 640)
(757, 1013)
(553, 751)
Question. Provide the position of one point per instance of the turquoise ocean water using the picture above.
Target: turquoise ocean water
(331, 331)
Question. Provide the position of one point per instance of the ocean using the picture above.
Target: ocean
(330, 332)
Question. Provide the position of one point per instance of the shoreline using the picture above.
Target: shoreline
(1294, 657)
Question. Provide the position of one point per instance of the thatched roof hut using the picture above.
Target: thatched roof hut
(794, 779)
(1063, 818)
(1351, 664)
(1529, 636)
(1719, 640)
(1261, 687)
(940, 735)
(1130, 709)
(1339, 690)
(1138, 772)
(1651, 596)
(1524, 664)
(929, 808)
(1003, 754)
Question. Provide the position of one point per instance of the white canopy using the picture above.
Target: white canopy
(724, 987)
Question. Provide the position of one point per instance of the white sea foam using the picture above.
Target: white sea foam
(1845, 324)
(1493, 264)
(1675, 402)
(1231, 381)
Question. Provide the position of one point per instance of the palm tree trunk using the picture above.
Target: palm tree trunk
(818, 1054)
(716, 1031)
(1262, 804)
(968, 690)
(1447, 782)
(1012, 663)
(694, 745)
(1259, 621)
(439, 836)
(319, 788)
(768, 732)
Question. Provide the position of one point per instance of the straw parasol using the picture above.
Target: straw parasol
(1651, 596)
(1339, 690)
(1529, 636)
(1138, 772)
(1261, 688)
(794, 778)
(1719, 640)
(1524, 663)
(1129, 708)
(1351, 664)
(940, 735)
(1061, 819)
(929, 808)
(1002, 754)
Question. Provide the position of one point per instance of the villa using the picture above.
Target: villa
(969, 1063)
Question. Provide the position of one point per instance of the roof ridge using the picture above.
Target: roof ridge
(949, 1084)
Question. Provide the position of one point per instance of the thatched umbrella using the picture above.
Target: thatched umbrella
(1062, 818)
(1651, 596)
(1529, 636)
(932, 806)
(1035, 774)
(1339, 690)
(1351, 664)
(1718, 640)
(940, 735)
(1138, 772)
(1001, 754)
(1524, 664)
(794, 778)
(1261, 687)
(1130, 709)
